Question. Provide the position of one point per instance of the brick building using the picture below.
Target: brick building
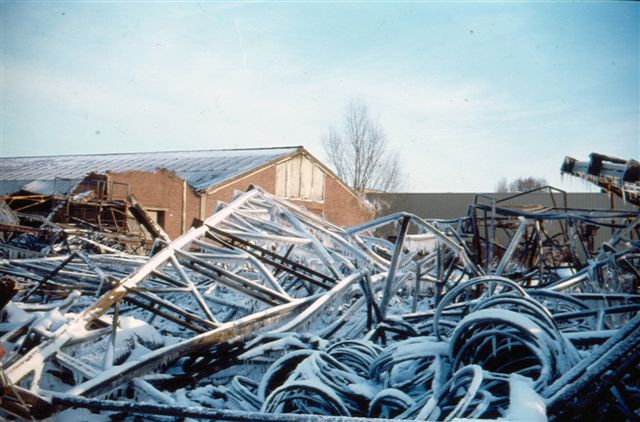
(177, 187)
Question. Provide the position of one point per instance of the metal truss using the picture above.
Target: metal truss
(266, 311)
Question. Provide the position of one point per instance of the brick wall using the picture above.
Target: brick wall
(340, 206)
(160, 190)
(265, 178)
(164, 190)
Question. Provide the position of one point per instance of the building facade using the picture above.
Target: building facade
(178, 187)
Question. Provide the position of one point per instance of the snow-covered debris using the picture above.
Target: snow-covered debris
(267, 309)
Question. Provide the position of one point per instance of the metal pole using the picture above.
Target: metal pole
(394, 266)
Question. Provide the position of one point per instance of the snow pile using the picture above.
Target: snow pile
(524, 403)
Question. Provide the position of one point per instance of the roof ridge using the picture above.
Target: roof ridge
(200, 168)
(153, 152)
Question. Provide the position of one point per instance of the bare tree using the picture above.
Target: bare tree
(521, 184)
(502, 186)
(360, 152)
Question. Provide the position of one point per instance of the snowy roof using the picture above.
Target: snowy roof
(200, 169)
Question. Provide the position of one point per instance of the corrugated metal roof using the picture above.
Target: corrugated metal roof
(201, 169)
(11, 186)
(51, 187)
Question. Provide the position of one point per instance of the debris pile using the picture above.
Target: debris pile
(266, 311)
(37, 225)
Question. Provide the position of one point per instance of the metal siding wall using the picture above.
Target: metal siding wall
(454, 205)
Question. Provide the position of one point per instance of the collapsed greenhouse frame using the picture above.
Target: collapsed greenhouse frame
(285, 313)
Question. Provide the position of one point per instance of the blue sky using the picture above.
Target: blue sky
(468, 92)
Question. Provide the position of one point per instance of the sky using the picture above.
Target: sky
(467, 92)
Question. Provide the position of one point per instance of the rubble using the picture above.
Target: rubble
(36, 225)
(266, 311)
